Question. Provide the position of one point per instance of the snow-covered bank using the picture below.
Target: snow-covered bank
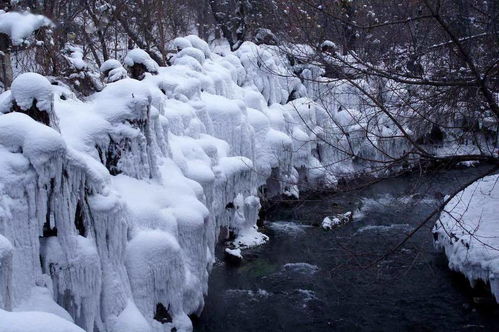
(468, 231)
(110, 207)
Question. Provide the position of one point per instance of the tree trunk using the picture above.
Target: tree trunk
(6, 74)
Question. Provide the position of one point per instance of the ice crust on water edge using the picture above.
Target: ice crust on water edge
(110, 211)
(467, 232)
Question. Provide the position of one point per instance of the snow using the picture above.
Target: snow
(234, 252)
(76, 58)
(468, 232)
(110, 65)
(113, 70)
(19, 26)
(131, 320)
(250, 237)
(37, 142)
(139, 56)
(6, 101)
(329, 223)
(41, 300)
(5, 247)
(265, 36)
(30, 87)
(33, 321)
(193, 53)
(180, 43)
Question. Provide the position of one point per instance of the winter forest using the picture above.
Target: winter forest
(249, 165)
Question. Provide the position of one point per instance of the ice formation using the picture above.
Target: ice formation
(467, 231)
(110, 207)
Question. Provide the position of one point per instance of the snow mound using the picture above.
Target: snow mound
(31, 87)
(75, 58)
(468, 231)
(109, 65)
(131, 320)
(6, 248)
(41, 300)
(180, 43)
(37, 142)
(139, 56)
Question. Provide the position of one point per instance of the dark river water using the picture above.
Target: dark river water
(308, 279)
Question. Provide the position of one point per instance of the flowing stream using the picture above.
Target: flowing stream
(308, 279)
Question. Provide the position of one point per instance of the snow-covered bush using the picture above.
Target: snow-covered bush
(113, 71)
(82, 77)
(138, 62)
(32, 95)
(19, 26)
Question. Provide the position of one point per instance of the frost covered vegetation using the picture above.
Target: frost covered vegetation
(132, 151)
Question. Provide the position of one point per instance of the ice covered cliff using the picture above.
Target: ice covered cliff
(110, 207)
(467, 231)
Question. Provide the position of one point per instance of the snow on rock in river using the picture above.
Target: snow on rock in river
(467, 231)
(110, 208)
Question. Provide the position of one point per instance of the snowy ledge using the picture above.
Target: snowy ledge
(468, 231)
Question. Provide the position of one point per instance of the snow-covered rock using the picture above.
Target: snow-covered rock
(330, 223)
